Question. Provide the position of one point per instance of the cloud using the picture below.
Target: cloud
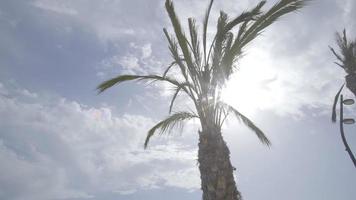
(303, 69)
(137, 60)
(109, 19)
(54, 148)
(146, 50)
(60, 7)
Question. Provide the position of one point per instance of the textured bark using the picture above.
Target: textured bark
(351, 83)
(215, 167)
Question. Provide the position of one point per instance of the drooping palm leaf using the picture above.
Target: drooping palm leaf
(229, 109)
(123, 78)
(178, 89)
(117, 80)
(167, 124)
(168, 68)
(333, 116)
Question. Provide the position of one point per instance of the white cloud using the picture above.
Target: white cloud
(303, 69)
(109, 19)
(129, 62)
(29, 94)
(137, 60)
(56, 6)
(57, 148)
(187, 178)
(146, 50)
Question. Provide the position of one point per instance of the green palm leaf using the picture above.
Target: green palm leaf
(178, 89)
(169, 123)
(229, 109)
(195, 42)
(182, 40)
(245, 16)
(205, 27)
(123, 78)
(281, 8)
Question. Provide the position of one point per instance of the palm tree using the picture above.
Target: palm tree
(204, 70)
(347, 61)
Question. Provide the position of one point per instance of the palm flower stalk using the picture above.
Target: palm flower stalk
(205, 70)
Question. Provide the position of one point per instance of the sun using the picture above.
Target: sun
(254, 86)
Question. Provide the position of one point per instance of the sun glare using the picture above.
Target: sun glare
(253, 86)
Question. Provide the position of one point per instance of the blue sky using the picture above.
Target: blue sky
(60, 140)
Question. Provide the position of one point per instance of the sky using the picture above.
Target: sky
(60, 140)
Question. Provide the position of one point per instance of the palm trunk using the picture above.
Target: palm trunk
(351, 82)
(216, 171)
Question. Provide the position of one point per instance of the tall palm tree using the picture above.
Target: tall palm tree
(347, 61)
(204, 71)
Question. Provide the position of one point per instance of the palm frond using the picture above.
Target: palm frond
(347, 56)
(168, 124)
(182, 40)
(123, 78)
(229, 38)
(245, 16)
(261, 136)
(168, 68)
(249, 32)
(220, 37)
(333, 116)
(194, 40)
(117, 80)
(178, 89)
(205, 27)
(175, 54)
(279, 9)
(338, 64)
(336, 55)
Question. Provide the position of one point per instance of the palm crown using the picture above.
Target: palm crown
(206, 68)
(347, 61)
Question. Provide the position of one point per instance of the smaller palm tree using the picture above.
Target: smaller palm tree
(347, 61)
